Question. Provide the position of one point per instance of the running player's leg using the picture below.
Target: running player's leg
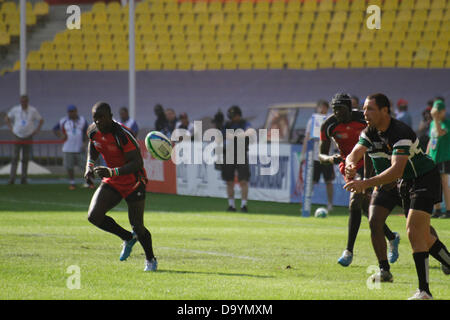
(382, 202)
(136, 207)
(354, 220)
(418, 230)
(104, 199)
(377, 219)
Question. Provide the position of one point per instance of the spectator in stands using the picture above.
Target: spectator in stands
(72, 129)
(439, 151)
(235, 122)
(403, 113)
(171, 122)
(424, 126)
(161, 121)
(184, 123)
(326, 170)
(24, 121)
(355, 102)
(128, 122)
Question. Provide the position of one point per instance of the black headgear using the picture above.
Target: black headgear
(234, 110)
(342, 99)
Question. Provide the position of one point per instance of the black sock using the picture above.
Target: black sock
(145, 239)
(440, 253)
(421, 261)
(388, 233)
(108, 224)
(354, 221)
(384, 265)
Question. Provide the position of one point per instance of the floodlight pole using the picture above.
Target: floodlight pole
(23, 47)
(132, 65)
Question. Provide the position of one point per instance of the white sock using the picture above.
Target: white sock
(243, 203)
(231, 202)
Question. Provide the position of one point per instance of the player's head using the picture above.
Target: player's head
(377, 108)
(234, 113)
(24, 100)
(342, 107)
(438, 109)
(123, 113)
(101, 113)
(72, 111)
(355, 102)
(171, 115)
(159, 110)
(322, 107)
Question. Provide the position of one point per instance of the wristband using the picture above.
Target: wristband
(91, 163)
(114, 172)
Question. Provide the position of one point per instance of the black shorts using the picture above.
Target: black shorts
(444, 167)
(386, 197)
(136, 195)
(229, 172)
(326, 169)
(423, 192)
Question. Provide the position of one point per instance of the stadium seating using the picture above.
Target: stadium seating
(215, 34)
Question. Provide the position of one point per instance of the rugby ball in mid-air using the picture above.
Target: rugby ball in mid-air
(321, 213)
(159, 146)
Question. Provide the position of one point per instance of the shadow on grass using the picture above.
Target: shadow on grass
(214, 273)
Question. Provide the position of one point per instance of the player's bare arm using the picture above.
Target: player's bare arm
(324, 147)
(394, 172)
(133, 163)
(92, 156)
(352, 160)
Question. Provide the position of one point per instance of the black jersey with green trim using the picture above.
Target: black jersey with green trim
(398, 139)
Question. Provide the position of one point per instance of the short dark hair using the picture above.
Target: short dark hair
(103, 106)
(381, 100)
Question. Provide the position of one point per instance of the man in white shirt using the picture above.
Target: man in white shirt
(185, 124)
(319, 169)
(24, 121)
(72, 129)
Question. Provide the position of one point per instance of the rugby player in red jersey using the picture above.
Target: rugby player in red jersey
(344, 127)
(124, 177)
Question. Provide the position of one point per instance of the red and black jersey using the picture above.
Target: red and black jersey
(346, 135)
(113, 146)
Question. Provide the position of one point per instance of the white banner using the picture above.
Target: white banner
(204, 180)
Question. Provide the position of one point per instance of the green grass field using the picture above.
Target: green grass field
(203, 252)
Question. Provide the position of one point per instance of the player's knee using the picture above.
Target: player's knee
(375, 223)
(94, 219)
(355, 204)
